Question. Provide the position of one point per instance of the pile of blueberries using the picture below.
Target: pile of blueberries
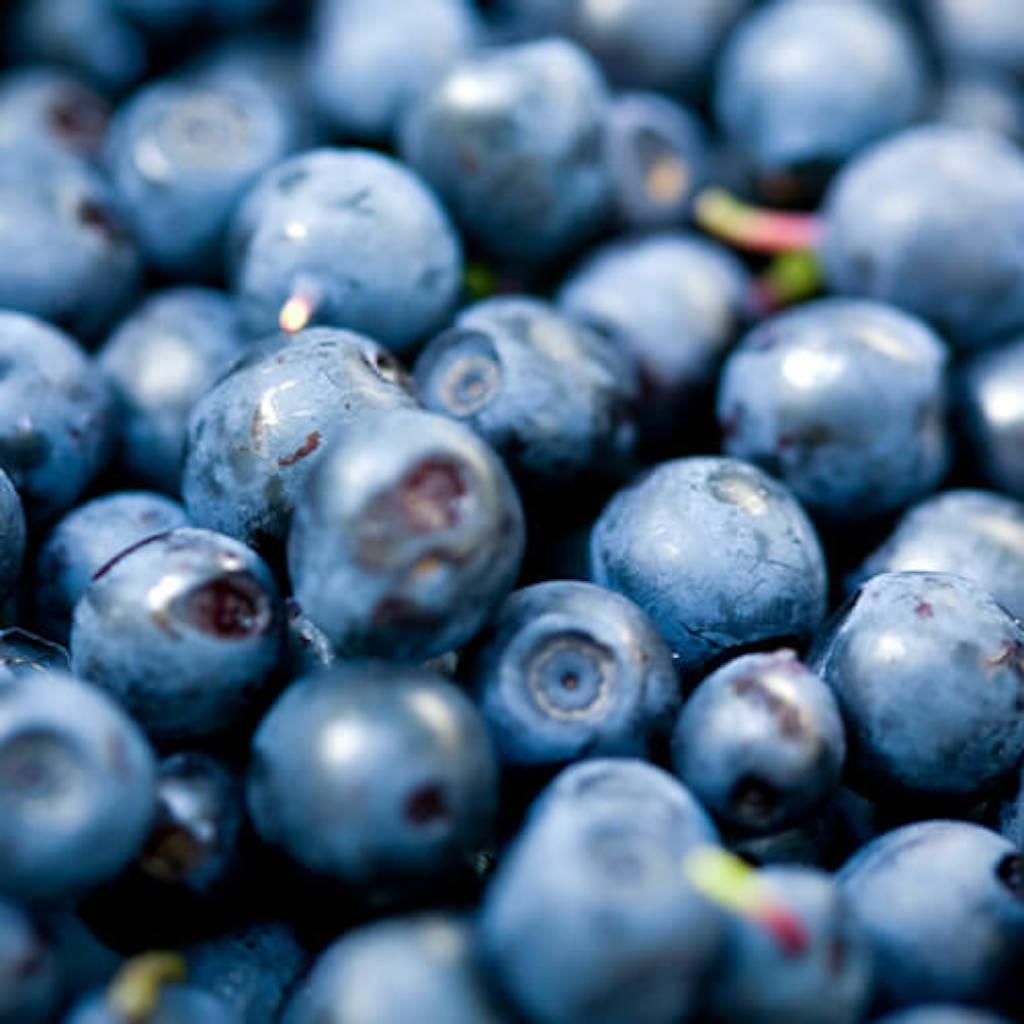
(511, 512)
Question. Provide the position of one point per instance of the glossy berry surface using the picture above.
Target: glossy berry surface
(716, 552)
(332, 738)
(570, 670)
(183, 628)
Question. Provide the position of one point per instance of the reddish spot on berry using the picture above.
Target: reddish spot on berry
(429, 496)
(307, 447)
(233, 607)
(426, 804)
(924, 610)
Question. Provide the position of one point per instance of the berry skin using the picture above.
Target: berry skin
(942, 1013)
(844, 401)
(984, 33)
(401, 733)
(28, 969)
(161, 360)
(804, 85)
(388, 972)
(760, 742)
(77, 787)
(408, 535)
(717, 553)
(674, 303)
(85, 540)
(943, 905)
(65, 252)
(56, 416)
(977, 534)
(181, 157)
(927, 669)
(369, 62)
(176, 1004)
(830, 982)
(12, 534)
(184, 629)
(930, 221)
(569, 670)
(254, 438)
(551, 396)
(994, 414)
(983, 101)
(511, 140)
(356, 237)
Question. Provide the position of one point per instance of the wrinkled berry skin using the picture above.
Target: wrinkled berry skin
(250, 969)
(657, 158)
(357, 233)
(844, 401)
(994, 414)
(390, 971)
(598, 862)
(550, 395)
(403, 733)
(829, 982)
(369, 61)
(716, 552)
(760, 742)
(943, 906)
(161, 360)
(28, 967)
(408, 535)
(50, 110)
(930, 221)
(177, 1004)
(12, 534)
(56, 415)
(977, 534)
(254, 438)
(984, 33)
(927, 669)
(77, 787)
(88, 537)
(183, 629)
(674, 303)
(511, 141)
(181, 157)
(803, 85)
(569, 670)
(65, 253)
(193, 845)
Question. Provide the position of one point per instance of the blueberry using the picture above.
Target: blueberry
(989, 102)
(374, 774)
(181, 157)
(511, 140)
(161, 360)
(176, 1004)
(829, 982)
(307, 648)
(550, 395)
(929, 673)
(569, 670)
(408, 535)
(589, 919)
(983, 33)
(51, 110)
(943, 905)
(1011, 816)
(24, 653)
(65, 254)
(760, 742)
(977, 534)
(183, 628)
(77, 787)
(250, 969)
(994, 414)
(254, 439)
(193, 844)
(803, 85)
(657, 157)
(717, 553)
(844, 401)
(85, 540)
(12, 534)
(369, 62)
(674, 303)
(942, 1013)
(29, 974)
(56, 415)
(354, 237)
(393, 971)
(930, 220)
